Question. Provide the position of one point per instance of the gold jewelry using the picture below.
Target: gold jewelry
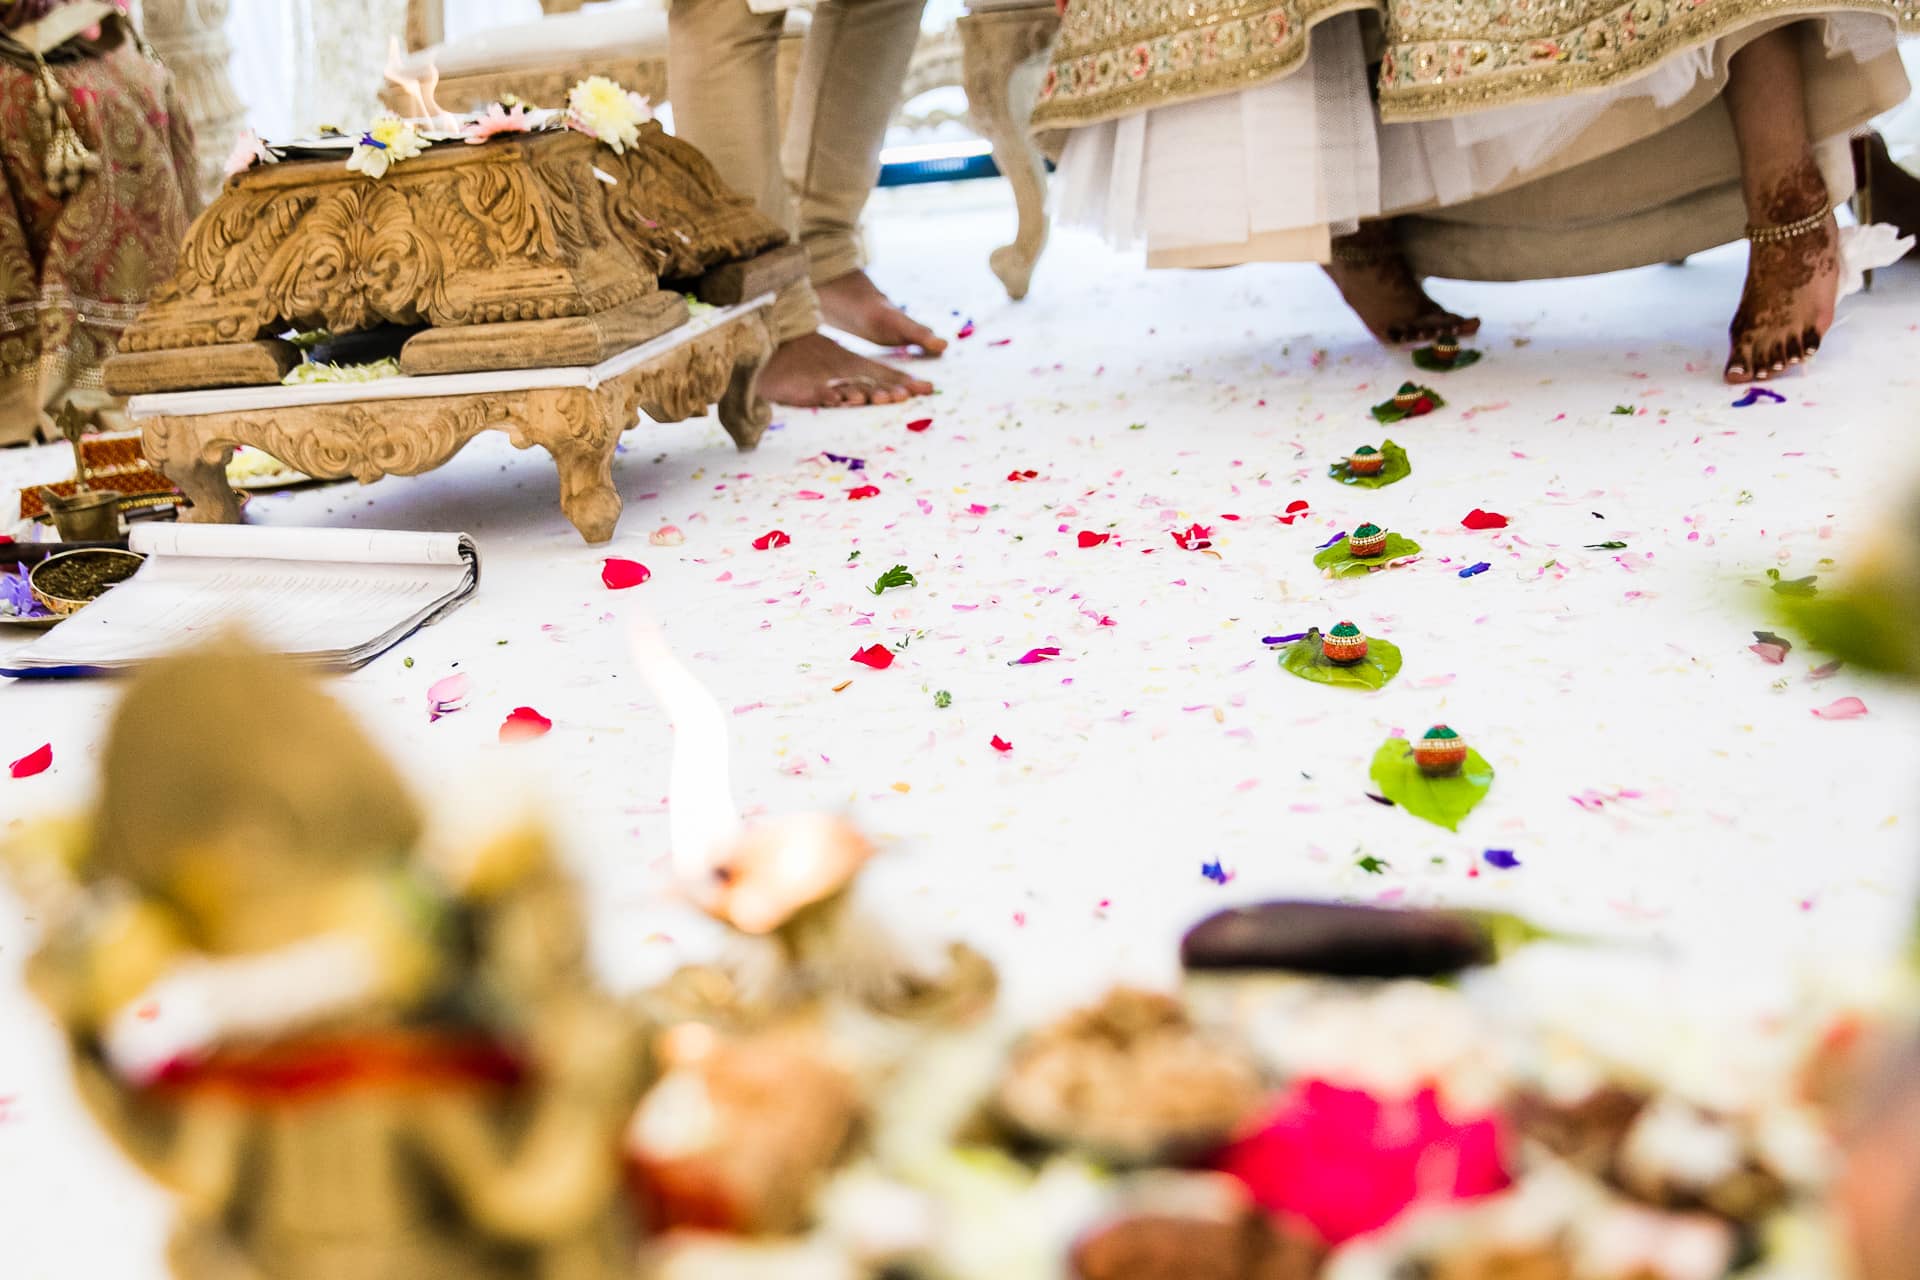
(1358, 256)
(1787, 231)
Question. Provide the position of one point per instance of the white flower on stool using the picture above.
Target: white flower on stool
(602, 109)
(387, 142)
(248, 151)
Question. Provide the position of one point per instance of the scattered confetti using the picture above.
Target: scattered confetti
(34, 762)
(523, 724)
(620, 575)
(877, 656)
(768, 541)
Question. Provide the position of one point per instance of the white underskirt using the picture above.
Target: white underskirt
(1275, 171)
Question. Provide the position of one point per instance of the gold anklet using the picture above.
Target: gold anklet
(1358, 257)
(1787, 231)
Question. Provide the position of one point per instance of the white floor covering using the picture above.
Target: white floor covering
(1657, 780)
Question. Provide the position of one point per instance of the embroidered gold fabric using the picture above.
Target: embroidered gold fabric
(1441, 57)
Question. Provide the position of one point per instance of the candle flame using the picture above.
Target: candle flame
(703, 821)
(419, 92)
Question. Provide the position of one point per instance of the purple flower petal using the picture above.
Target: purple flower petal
(1215, 872)
(851, 464)
(1286, 639)
(1501, 858)
(16, 597)
(1755, 395)
(1473, 569)
(1330, 541)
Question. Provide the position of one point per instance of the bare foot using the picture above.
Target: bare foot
(854, 303)
(815, 372)
(1373, 276)
(1893, 194)
(1788, 303)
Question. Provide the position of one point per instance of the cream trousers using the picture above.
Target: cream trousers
(722, 64)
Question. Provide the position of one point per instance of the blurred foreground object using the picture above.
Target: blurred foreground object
(341, 1060)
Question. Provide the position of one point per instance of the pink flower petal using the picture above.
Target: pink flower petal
(619, 575)
(447, 695)
(34, 762)
(1033, 656)
(667, 535)
(1772, 654)
(768, 541)
(1844, 709)
(877, 656)
(524, 724)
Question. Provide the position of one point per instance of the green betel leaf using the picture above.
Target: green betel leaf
(1304, 659)
(1397, 468)
(1864, 628)
(1388, 411)
(1425, 359)
(1445, 802)
(1339, 562)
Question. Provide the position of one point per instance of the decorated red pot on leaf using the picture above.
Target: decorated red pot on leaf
(1446, 350)
(1344, 645)
(1408, 396)
(1367, 541)
(1366, 461)
(1440, 752)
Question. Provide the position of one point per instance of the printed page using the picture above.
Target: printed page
(322, 546)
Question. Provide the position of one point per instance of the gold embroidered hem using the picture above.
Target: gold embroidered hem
(1115, 57)
(1441, 57)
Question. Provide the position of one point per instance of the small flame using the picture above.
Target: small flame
(419, 93)
(703, 821)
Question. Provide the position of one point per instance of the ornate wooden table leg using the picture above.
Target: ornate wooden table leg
(580, 428)
(198, 468)
(743, 412)
(998, 50)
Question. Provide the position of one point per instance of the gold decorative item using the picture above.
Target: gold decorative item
(342, 1056)
(88, 514)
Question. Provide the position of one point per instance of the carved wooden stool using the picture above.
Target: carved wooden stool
(1003, 46)
(410, 425)
(536, 284)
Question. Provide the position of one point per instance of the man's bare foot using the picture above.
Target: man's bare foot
(815, 372)
(1893, 194)
(1373, 276)
(1788, 303)
(855, 304)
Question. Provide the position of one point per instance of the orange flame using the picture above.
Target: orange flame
(419, 93)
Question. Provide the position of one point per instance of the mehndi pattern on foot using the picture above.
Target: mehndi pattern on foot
(1438, 778)
(1343, 656)
(1411, 401)
(1371, 468)
(1367, 549)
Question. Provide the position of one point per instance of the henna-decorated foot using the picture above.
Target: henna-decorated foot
(1375, 279)
(855, 304)
(815, 372)
(1793, 274)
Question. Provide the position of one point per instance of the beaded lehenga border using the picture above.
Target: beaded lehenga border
(1441, 57)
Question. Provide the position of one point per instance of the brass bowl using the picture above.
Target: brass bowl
(90, 515)
(114, 566)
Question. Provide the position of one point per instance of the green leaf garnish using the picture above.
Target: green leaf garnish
(1397, 467)
(1371, 865)
(943, 699)
(1339, 562)
(1606, 546)
(898, 576)
(1624, 409)
(1801, 587)
(1304, 658)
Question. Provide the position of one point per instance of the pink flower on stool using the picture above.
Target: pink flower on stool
(496, 120)
(1347, 1163)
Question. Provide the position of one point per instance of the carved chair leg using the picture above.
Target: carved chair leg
(743, 412)
(579, 429)
(174, 448)
(998, 49)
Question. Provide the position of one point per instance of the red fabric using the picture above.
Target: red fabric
(329, 1068)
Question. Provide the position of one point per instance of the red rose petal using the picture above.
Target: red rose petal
(1844, 709)
(524, 724)
(877, 656)
(1018, 476)
(1001, 745)
(1478, 519)
(1295, 510)
(1088, 538)
(767, 541)
(33, 762)
(966, 330)
(919, 424)
(864, 491)
(1193, 538)
(620, 574)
